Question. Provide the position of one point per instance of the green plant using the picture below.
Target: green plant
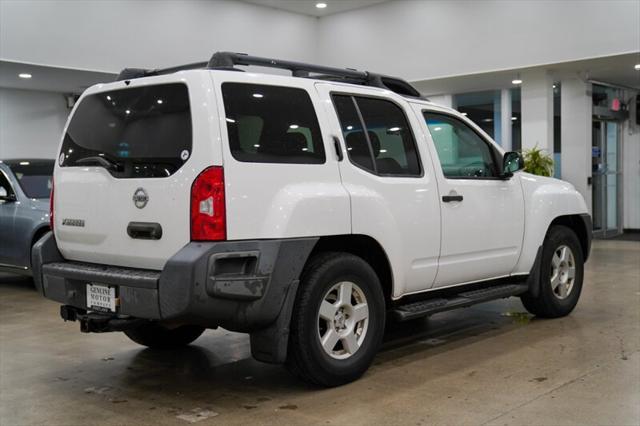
(537, 162)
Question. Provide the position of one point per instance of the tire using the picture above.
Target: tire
(559, 293)
(154, 335)
(343, 285)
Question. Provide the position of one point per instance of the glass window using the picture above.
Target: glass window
(462, 152)
(134, 133)
(35, 177)
(384, 143)
(357, 145)
(272, 124)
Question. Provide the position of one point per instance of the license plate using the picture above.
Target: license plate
(101, 297)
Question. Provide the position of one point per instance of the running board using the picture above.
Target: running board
(460, 300)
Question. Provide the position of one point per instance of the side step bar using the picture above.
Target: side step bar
(461, 300)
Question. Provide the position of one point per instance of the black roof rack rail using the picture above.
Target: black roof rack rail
(228, 61)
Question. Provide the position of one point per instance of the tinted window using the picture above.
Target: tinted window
(272, 124)
(34, 177)
(383, 143)
(462, 152)
(357, 145)
(134, 133)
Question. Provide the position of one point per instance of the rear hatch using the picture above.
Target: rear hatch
(123, 177)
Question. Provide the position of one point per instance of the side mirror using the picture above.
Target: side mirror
(4, 196)
(511, 163)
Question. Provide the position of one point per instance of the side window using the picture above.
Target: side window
(462, 152)
(272, 124)
(4, 185)
(377, 135)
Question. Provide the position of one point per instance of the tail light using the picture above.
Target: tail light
(208, 212)
(51, 205)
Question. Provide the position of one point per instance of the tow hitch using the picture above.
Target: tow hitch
(96, 322)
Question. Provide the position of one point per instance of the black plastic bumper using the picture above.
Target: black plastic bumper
(238, 285)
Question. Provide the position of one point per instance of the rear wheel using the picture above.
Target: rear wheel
(561, 275)
(338, 320)
(154, 335)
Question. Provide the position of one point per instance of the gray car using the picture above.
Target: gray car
(25, 186)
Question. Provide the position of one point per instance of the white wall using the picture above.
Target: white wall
(428, 39)
(31, 123)
(109, 35)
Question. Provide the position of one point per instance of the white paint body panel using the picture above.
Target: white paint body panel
(545, 199)
(401, 213)
(105, 203)
(482, 234)
(495, 231)
(282, 200)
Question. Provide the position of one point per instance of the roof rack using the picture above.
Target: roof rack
(228, 61)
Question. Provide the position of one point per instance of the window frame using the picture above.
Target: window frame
(495, 153)
(321, 142)
(353, 96)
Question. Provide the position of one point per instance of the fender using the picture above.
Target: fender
(545, 200)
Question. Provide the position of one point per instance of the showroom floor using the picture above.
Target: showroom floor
(490, 364)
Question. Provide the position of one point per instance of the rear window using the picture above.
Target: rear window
(34, 177)
(272, 124)
(141, 132)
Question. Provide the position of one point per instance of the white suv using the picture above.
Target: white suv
(304, 210)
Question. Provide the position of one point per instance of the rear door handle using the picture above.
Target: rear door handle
(144, 230)
(451, 198)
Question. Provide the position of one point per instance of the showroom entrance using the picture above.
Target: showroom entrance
(606, 178)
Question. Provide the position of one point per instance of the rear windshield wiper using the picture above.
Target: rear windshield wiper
(104, 162)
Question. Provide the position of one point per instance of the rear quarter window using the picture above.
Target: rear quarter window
(272, 124)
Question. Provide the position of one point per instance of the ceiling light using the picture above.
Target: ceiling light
(394, 129)
(437, 129)
(637, 67)
(321, 5)
(159, 101)
(24, 163)
(258, 95)
(108, 97)
(24, 75)
(349, 127)
(487, 120)
(294, 126)
(465, 113)
(514, 118)
(127, 112)
(516, 81)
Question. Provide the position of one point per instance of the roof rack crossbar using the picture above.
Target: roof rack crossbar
(228, 61)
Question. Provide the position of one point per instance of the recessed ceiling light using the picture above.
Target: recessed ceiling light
(514, 118)
(637, 67)
(159, 101)
(321, 5)
(258, 95)
(516, 81)
(24, 163)
(24, 75)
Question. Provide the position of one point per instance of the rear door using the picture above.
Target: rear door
(388, 173)
(130, 153)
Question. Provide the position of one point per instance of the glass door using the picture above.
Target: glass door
(606, 179)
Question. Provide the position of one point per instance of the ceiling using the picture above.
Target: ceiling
(50, 79)
(618, 70)
(308, 7)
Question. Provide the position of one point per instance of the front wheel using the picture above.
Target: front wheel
(561, 275)
(338, 320)
(157, 336)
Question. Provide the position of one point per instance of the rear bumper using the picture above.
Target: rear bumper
(238, 285)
